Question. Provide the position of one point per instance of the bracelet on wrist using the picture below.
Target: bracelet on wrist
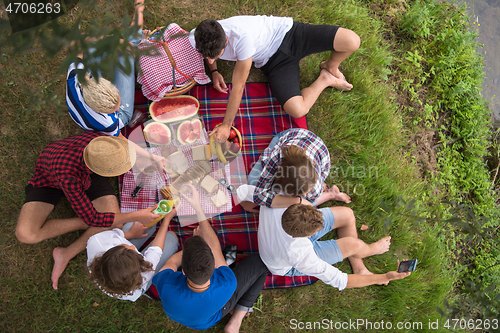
(300, 199)
(214, 70)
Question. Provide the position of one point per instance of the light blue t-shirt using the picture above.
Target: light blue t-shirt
(199, 311)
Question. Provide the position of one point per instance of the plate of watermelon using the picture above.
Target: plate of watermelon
(173, 109)
(157, 133)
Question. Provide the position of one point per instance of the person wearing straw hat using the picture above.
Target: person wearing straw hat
(77, 167)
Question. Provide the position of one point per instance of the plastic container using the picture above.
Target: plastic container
(164, 207)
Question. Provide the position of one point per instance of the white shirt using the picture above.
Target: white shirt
(103, 241)
(257, 36)
(280, 251)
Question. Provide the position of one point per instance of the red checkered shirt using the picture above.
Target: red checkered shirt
(61, 166)
(315, 150)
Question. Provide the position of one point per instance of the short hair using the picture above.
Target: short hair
(198, 261)
(210, 38)
(118, 271)
(301, 220)
(296, 174)
(102, 97)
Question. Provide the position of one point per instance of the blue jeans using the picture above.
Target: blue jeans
(124, 83)
(328, 250)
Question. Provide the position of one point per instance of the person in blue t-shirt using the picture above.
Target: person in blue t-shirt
(207, 289)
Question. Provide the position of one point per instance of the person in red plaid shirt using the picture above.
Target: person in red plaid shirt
(77, 167)
(281, 183)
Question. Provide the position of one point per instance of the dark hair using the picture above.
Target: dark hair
(296, 174)
(118, 271)
(301, 220)
(210, 38)
(198, 261)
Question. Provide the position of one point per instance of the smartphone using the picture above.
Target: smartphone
(407, 266)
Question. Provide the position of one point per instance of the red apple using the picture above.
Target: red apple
(235, 148)
(232, 134)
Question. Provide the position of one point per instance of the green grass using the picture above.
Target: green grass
(367, 131)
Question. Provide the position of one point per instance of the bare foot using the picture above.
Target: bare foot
(60, 263)
(335, 72)
(333, 81)
(381, 246)
(337, 195)
(233, 326)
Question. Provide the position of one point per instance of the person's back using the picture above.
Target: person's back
(195, 310)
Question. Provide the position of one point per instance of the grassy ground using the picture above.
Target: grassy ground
(368, 136)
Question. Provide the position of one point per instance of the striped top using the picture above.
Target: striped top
(82, 114)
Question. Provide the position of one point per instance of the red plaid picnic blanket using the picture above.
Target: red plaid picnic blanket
(259, 118)
(155, 74)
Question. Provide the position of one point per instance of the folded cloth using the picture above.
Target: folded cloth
(155, 74)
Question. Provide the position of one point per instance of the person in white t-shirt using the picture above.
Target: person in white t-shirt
(289, 244)
(116, 265)
(276, 45)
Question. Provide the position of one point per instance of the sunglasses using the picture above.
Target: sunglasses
(225, 183)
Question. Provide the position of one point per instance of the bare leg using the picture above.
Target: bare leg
(345, 43)
(235, 322)
(299, 106)
(352, 247)
(62, 255)
(139, 9)
(33, 226)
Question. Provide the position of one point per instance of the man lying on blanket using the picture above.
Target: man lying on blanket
(289, 244)
(276, 45)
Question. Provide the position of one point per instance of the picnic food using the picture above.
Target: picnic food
(226, 151)
(200, 153)
(209, 184)
(189, 131)
(179, 163)
(219, 199)
(165, 193)
(164, 207)
(157, 133)
(175, 108)
(192, 176)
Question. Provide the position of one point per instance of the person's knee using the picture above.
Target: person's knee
(348, 41)
(295, 109)
(26, 235)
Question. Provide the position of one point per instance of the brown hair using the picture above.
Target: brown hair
(118, 271)
(296, 174)
(198, 262)
(210, 38)
(301, 220)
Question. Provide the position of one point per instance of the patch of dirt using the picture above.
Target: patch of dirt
(423, 141)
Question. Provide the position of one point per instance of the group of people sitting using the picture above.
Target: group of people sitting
(196, 286)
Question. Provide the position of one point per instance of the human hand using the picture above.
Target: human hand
(249, 206)
(394, 275)
(172, 213)
(221, 133)
(137, 231)
(194, 200)
(146, 216)
(197, 231)
(218, 82)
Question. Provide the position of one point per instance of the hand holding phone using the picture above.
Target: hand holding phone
(407, 266)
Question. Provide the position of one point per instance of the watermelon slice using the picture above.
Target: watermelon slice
(157, 133)
(175, 108)
(189, 131)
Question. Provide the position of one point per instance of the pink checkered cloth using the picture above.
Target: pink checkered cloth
(155, 75)
(150, 194)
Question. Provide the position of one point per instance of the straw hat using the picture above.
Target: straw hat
(109, 156)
